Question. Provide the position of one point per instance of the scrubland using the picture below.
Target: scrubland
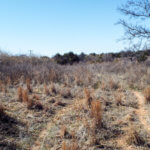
(83, 106)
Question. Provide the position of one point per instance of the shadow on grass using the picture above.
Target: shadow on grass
(9, 146)
(10, 129)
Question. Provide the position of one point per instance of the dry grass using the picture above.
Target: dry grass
(25, 96)
(46, 90)
(147, 94)
(88, 98)
(118, 97)
(1, 110)
(36, 97)
(53, 89)
(30, 103)
(20, 92)
(96, 111)
(113, 84)
(72, 146)
(28, 84)
(63, 132)
(135, 138)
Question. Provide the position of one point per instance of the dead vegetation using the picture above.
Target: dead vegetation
(1, 110)
(96, 111)
(86, 105)
(147, 94)
(72, 146)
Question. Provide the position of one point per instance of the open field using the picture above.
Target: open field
(84, 106)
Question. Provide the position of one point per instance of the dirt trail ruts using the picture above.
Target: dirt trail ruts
(142, 112)
(43, 134)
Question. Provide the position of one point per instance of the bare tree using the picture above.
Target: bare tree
(137, 27)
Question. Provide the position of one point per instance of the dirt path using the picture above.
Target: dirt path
(142, 112)
(43, 134)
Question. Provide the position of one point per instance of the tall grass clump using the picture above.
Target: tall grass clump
(72, 146)
(1, 110)
(146, 93)
(96, 112)
(28, 83)
(25, 97)
(88, 98)
(19, 92)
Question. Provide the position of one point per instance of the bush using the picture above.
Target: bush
(68, 58)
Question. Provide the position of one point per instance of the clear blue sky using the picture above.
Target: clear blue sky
(51, 26)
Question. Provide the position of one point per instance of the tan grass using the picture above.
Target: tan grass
(35, 97)
(134, 138)
(118, 98)
(63, 131)
(113, 84)
(53, 89)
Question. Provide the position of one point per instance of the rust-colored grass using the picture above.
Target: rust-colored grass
(146, 93)
(96, 111)
(72, 146)
(28, 84)
(88, 98)
(19, 92)
(36, 97)
(47, 92)
(1, 110)
(30, 103)
(25, 97)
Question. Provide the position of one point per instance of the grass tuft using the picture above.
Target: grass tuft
(47, 92)
(25, 97)
(19, 92)
(88, 98)
(96, 111)
(72, 146)
(28, 84)
(146, 93)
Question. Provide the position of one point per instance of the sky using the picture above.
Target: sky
(48, 27)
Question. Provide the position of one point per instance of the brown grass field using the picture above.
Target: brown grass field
(84, 106)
